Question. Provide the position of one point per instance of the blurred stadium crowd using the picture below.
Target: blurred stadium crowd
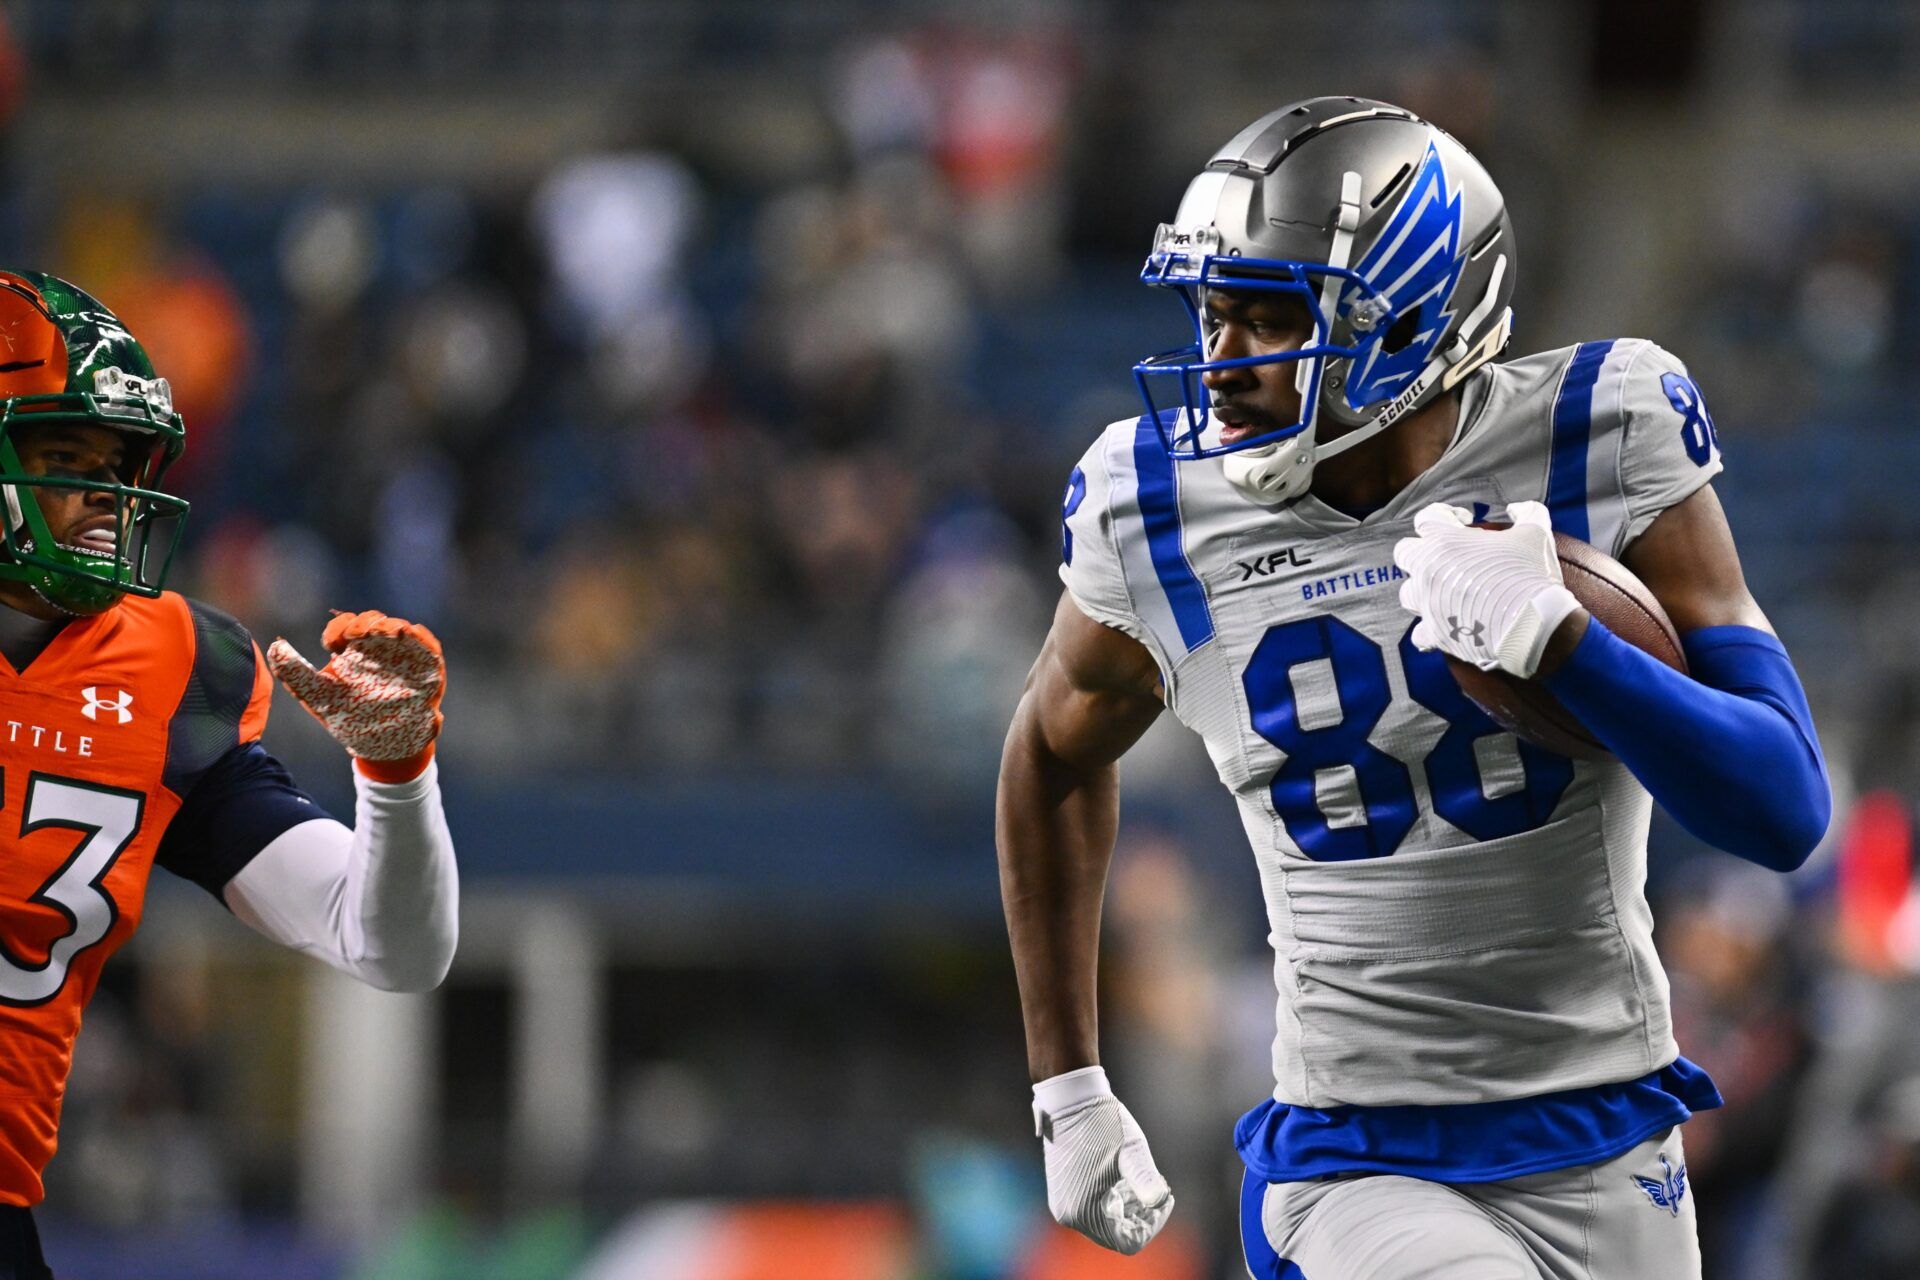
(692, 475)
(721, 440)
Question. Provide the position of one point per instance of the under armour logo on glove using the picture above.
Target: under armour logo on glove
(1475, 635)
(379, 695)
(1497, 590)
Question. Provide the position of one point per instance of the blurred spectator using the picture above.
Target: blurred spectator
(988, 105)
(958, 639)
(1169, 1037)
(183, 309)
(617, 230)
(1003, 100)
(1845, 1187)
(1736, 1011)
(1873, 1230)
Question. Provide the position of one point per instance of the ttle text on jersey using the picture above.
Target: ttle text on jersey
(54, 740)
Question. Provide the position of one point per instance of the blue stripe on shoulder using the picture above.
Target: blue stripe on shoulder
(1160, 513)
(1262, 1262)
(1572, 429)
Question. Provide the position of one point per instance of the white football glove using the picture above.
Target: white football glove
(1492, 597)
(1101, 1180)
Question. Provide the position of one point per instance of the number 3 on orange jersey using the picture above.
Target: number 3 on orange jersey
(108, 818)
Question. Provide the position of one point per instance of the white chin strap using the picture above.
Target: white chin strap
(1273, 473)
(1279, 473)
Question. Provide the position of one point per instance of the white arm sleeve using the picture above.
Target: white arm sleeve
(380, 902)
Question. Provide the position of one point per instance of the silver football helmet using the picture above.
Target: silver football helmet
(1387, 229)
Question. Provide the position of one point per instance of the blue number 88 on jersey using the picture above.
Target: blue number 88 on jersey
(1385, 784)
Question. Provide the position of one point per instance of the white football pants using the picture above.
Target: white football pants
(1628, 1218)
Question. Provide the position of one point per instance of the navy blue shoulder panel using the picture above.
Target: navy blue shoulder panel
(239, 805)
(207, 723)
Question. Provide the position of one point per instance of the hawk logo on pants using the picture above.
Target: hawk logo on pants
(119, 706)
(1665, 1193)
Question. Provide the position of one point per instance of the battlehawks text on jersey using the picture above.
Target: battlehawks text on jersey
(101, 738)
(1456, 918)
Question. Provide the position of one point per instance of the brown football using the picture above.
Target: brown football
(1608, 591)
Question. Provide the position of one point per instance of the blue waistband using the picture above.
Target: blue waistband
(1475, 1141)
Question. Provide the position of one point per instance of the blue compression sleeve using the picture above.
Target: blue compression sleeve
(1729, 752)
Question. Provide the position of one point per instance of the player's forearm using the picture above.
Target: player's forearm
(1730, 752)
(379, 902)
(1055, 828)
(409, 883)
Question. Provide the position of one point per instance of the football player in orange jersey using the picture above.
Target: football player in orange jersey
(130, 723)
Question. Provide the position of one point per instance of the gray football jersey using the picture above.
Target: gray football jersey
(1455, 916)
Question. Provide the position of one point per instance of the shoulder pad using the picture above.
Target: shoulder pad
(224, 702)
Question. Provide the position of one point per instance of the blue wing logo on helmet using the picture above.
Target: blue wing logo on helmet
(1414, 264)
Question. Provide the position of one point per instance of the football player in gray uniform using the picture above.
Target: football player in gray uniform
(1475, 1071)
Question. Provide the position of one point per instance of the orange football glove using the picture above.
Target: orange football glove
(379, 695)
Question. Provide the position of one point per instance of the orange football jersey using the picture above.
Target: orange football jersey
(102, 737)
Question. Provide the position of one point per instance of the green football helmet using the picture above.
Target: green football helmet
(65, 360)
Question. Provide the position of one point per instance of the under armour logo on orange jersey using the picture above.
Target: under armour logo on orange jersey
(120, 704)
